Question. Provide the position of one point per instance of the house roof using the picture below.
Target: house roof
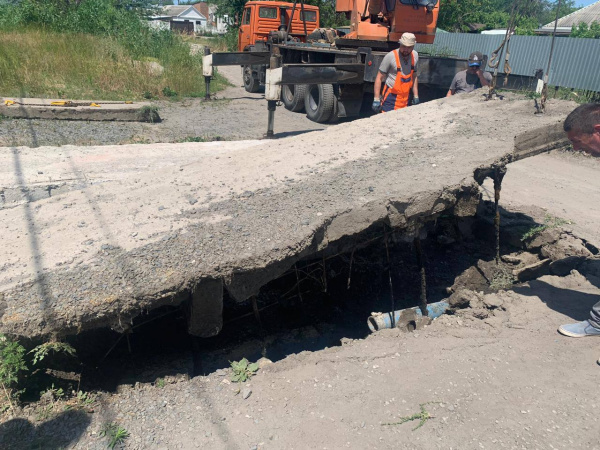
(586, 15)
(180, 10)
(174, 10)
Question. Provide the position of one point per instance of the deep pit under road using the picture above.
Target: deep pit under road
(96, 236)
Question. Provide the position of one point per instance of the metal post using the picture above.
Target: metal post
(547, 74)
(423, 302)
(303, 19)
(289, 27)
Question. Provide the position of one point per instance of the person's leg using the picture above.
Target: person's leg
(590, 327)
(595, 315)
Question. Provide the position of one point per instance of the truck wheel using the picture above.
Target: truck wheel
(336, 107)
(251, 83)
(334, 113)
(318, 102)
(292, 97)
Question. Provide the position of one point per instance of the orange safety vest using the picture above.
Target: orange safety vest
(397, 97)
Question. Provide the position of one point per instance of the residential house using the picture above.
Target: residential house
(587, 15)
(215, 23)
(181, 18)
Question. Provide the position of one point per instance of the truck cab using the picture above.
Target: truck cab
(262, 17)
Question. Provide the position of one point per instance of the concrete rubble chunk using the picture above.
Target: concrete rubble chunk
(309, 191)
(533, 271)
(545, 237)
(41, 108)
(567, 246)
(563, 267)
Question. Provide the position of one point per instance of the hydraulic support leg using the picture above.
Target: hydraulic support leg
(272, 106)
(207, 71)
(207, 87)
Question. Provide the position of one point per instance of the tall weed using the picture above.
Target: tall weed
(94, 49)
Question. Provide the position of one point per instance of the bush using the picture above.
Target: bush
(584, 31)
(12, 362)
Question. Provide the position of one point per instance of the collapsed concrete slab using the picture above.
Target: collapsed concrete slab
(56, 109)
(94, 236)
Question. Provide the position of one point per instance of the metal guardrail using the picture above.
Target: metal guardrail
(575, 63)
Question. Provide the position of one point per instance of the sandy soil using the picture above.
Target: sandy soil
(561, 184)
(496, 376)
(503, 379)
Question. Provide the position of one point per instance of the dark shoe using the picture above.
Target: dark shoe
(579, 329)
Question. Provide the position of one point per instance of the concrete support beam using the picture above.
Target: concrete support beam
(38, 108)
(205, 314)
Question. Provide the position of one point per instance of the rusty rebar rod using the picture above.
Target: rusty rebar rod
(393, 302)
(256, 311)
(499, 173)
(423, 299)
(350, 269)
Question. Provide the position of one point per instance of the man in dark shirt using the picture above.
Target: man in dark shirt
(583, 130)
(470, 79)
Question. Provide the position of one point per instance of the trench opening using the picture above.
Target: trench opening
(320, 302)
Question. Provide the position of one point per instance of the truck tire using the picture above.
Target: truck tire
(251, 82)
(318, 102)
(334, 113)
(292, 97)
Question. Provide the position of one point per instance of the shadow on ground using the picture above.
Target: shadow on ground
(59, 432)
(575, 304)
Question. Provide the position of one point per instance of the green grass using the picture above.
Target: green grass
(549, 223)
(115, 434)
(502, 279)
(577, 95)
(422, 417)
(38, 63)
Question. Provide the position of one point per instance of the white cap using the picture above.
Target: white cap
(408, 40)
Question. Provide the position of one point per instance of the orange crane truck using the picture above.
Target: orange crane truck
(259, 20)
(330, 75)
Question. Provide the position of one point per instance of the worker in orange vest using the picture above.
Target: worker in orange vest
(399, 72)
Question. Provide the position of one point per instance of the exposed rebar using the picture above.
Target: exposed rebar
(499, 173)
(387, 252)
(423, 299)
(256, 311)
(350, 269)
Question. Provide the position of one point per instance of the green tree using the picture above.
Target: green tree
(329, 18)
(456, 15)
(232, 9)
(584, 31)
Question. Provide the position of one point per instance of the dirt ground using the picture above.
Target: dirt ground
(234, 115)
(494, 375)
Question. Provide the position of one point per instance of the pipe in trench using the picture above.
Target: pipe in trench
(381, 321)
